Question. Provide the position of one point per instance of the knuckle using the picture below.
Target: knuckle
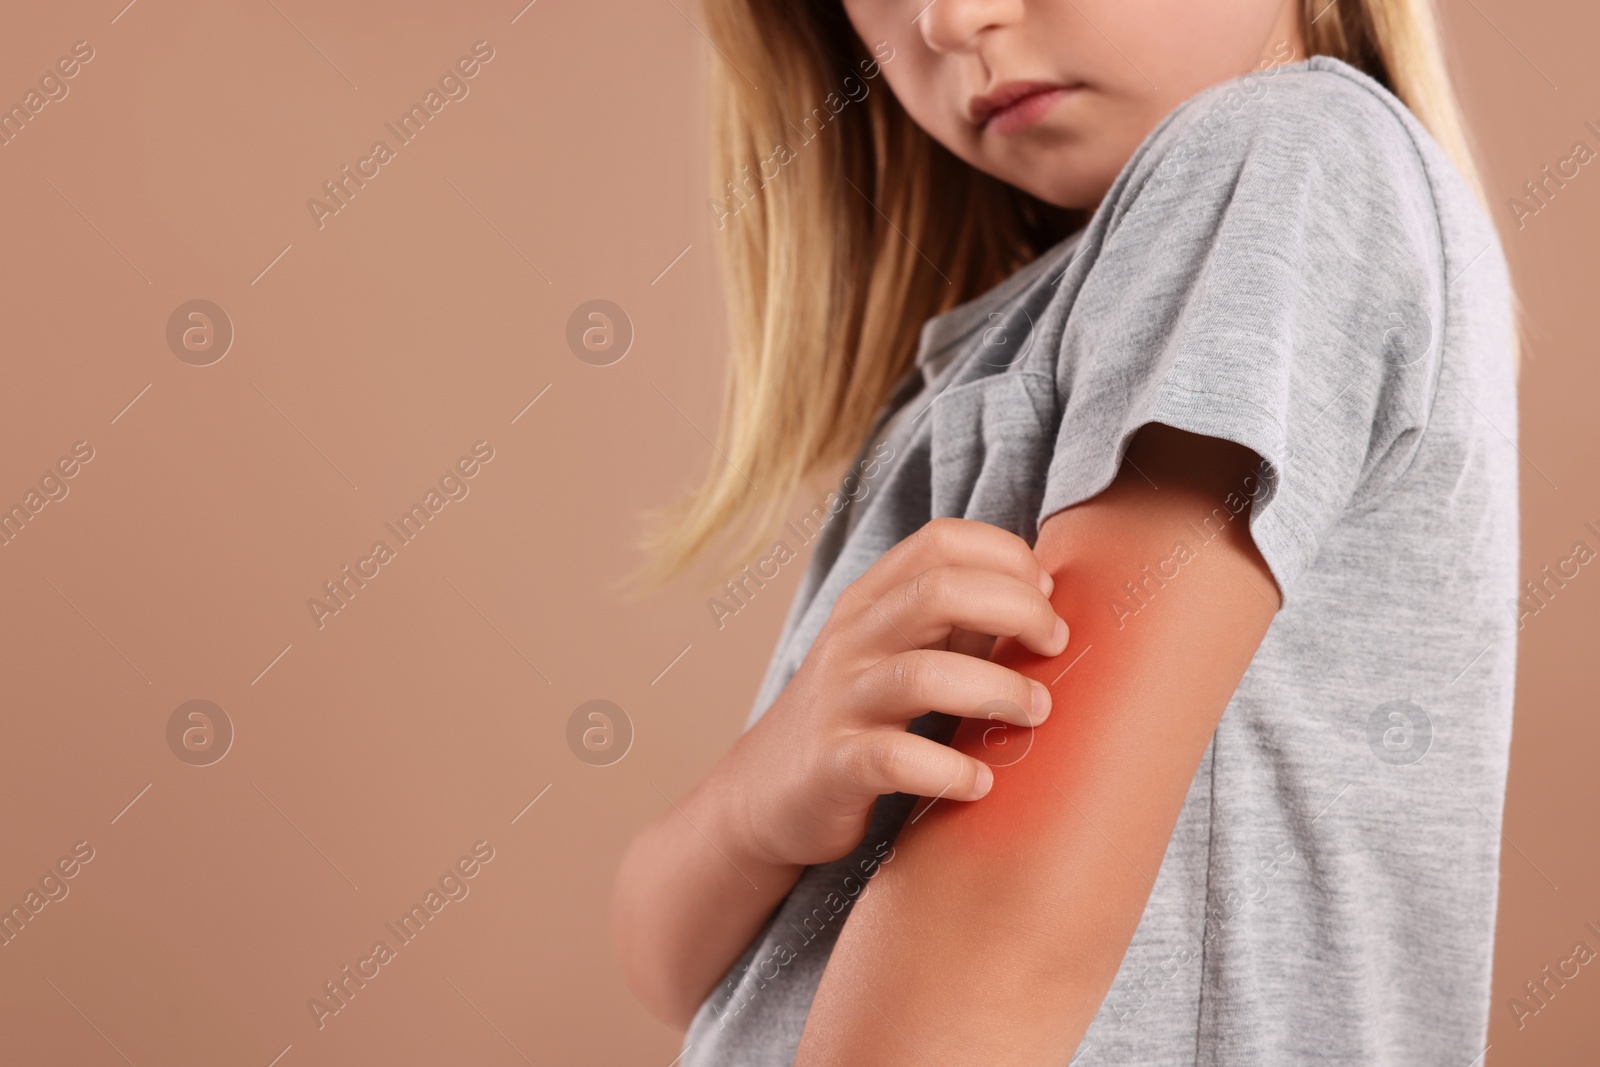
(905, 675)
(849, 598)
(1019, 556)
(850, 762)
(924, 678)
(889, 757)
(1026, 606)
(926, 589)
(941, 534)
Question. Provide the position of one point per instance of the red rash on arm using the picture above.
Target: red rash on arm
(997, 931)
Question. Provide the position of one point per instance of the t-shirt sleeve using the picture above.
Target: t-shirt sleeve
(1269, 273)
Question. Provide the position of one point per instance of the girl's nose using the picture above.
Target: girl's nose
(956, 25)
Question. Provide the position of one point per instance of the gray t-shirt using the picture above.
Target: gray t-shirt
(1289, 262)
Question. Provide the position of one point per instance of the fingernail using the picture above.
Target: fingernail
(985, 779)
(1061, 633)
(1041, 702)
(1047, 583)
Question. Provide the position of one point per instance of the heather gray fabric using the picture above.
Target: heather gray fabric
(1289, 262)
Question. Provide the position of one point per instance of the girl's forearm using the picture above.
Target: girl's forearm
(690, 894)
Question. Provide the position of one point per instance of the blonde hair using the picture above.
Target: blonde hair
(836, 248)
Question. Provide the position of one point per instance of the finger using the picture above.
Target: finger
(903, 686)
(924, 612)
(947, 542)
(875, 762)
(970, 644)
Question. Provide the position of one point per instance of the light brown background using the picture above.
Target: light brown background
(427, 714)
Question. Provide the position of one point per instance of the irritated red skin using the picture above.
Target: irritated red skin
(994, 935)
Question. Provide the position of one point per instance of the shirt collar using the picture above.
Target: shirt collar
(941, 333)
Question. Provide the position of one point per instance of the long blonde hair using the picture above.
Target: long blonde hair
(838, 238)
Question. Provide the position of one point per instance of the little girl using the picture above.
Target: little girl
(1148, 696)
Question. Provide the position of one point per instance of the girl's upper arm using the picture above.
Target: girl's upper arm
(996, 933)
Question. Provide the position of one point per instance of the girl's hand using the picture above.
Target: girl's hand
(904, 639)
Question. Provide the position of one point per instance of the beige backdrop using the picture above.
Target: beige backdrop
(373, 748)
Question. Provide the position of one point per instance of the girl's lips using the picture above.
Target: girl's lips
(1026, 110)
